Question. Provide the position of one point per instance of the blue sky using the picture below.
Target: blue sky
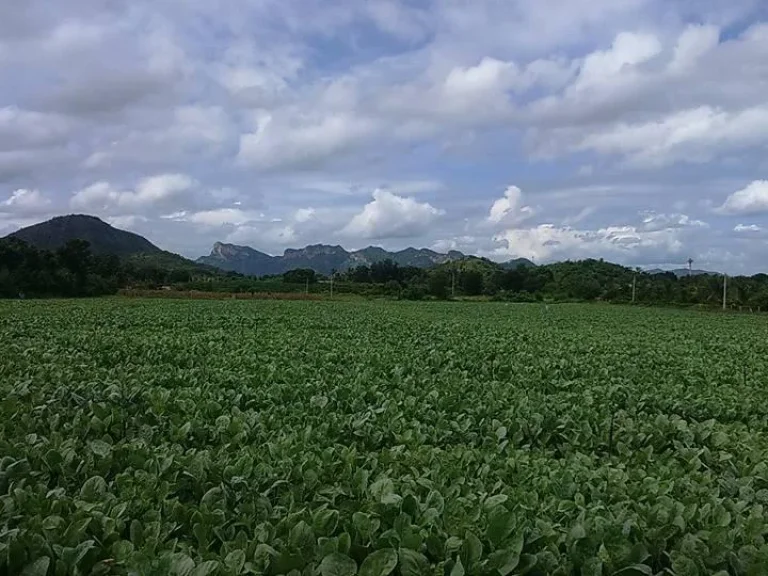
(634, 131)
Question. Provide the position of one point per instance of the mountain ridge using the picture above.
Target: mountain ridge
(104, 238)
(325, 258)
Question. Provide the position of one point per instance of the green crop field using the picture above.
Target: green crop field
(337, 438)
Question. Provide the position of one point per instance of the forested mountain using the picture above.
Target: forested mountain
(101, 237)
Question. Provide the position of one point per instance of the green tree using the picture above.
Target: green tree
(300, 276)
(472, 282)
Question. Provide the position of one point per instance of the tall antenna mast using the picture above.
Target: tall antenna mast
(690, 267)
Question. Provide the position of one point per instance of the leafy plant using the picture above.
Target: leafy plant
(344, 439)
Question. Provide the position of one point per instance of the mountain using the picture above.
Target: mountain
(106, 239)
(516, 263)
(682, 272)
(103, 238)
(321, 258)
(240, 259)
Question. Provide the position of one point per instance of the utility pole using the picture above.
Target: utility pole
(331, 284)
(634, 287)
(306, 288)
(725, 291)
(453, 281)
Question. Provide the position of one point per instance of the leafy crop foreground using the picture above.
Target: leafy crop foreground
(306, 438)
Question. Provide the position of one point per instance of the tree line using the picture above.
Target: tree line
(74, 271)
(584, 280)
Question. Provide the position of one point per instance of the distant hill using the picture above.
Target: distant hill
(517, 262)
(321, 258)
(682, 272)
(103, 238)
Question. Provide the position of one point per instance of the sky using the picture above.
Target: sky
(634, 131)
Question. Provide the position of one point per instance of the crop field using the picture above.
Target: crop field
(375, 438)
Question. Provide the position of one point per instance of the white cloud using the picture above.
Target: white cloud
(747, 228)
(74, 34)
(221, 217)
(126, 222)
(301, 141)
(750, 200)
(483, 80)
(392, 216)
(304, 215)
(602, 67)
(509, 209)
(21, 128)
(653, 221)
(102, 196)
(201, 124)
(267, 236)
(693, 45)
(623, 243)
(694, 135)
(25, 201)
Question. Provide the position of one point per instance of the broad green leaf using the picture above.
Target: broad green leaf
(303, 538)
(493, 501)
(338, 565)
(235, 561)
(578, 532)
(100, 448)
(37, 568)
(52, 522)
(137, 533)
(214, 499)
(380, 563)
(94, 489)
(182, 565)
(471, 550)
(206, 568)
(324, 522)
(458, 568)
(122, 550)
(412, 563)
(501, 523)
(592, 567)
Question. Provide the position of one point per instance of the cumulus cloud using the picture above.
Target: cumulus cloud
(509, 209)
(623, 243)
(282, 143)
(691, 135)
(750, 200)
(692, 45)
(25, 202)
(603, 66)
(392, 216)
(304, 214)
(149, 192)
